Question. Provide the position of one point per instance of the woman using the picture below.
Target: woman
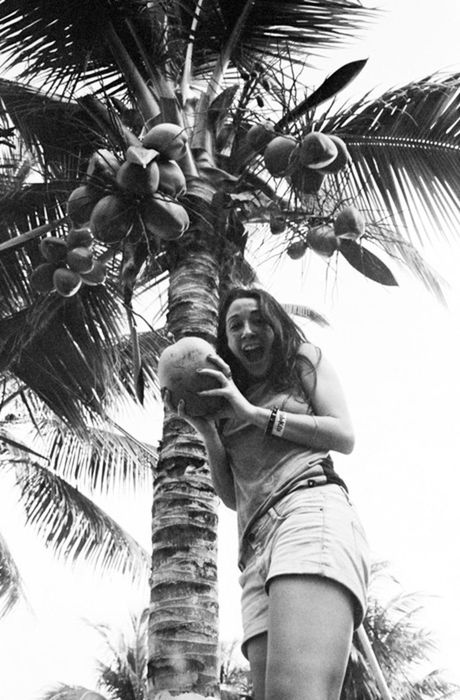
(303, 554)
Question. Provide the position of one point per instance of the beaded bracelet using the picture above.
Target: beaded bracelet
(271, 420)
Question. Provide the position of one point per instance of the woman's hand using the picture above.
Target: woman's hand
(202, 424)
(237, 404)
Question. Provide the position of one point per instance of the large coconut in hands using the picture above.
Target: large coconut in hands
(177, 372)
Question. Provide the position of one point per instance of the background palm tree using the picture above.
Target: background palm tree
(112, 70)
(58, 479)
(400, 644)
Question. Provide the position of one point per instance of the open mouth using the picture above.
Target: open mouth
(253, 354)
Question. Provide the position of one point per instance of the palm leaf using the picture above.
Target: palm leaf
(125, 674)
(63, 691)
(11, 589)
(63, 349)
(73, 526)
(305, 312)
(366, 262)
(404, 253)
(105, 461)
(65, 44)
(58, 132)
(333, 84)
(404, 149)
(269, 28)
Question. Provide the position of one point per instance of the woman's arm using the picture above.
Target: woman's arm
(329, 429)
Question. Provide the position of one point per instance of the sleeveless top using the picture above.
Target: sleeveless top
(266, 468)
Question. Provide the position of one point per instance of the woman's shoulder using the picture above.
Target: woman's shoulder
(310, 352)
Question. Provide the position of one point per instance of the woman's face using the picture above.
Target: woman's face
(249, 337)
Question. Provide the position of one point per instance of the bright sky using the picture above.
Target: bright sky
(396, 351)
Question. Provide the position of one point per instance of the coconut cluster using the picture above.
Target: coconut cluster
(146, 185)
(305, 165)
(70, 262)
(325, 238)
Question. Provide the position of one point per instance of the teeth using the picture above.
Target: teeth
(253, 353)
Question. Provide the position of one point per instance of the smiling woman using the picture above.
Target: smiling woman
(303, 555)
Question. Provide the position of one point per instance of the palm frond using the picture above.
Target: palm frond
(34, 207)
(432, 686)
(65, 351)
(63, 691)
(73, 526)
(125, 675)
(306, 312)
(67, 45)
(16, 447)
(404, 149)
(11, 588)
(59, 133)
(270, 27)
(103, 462)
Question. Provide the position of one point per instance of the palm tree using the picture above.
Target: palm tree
(108, 73)
(124, 675)
(400, 645)
(56, 476)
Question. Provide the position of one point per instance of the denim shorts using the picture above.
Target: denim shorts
(312, 531)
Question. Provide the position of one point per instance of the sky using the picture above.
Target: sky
(396, 351)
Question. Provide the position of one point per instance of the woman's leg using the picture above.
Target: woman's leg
(309, 638)
(257, 655)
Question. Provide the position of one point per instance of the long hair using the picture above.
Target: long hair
(288, 337)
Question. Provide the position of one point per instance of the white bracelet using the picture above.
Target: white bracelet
(279, 424)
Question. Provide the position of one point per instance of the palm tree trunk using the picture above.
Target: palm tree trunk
(183, 625)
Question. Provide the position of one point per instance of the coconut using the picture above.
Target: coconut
(317, 150)
(278, 153)
(349, 223)
(341, 158)
(96, 275)
(323, 240)
(177, 372)
(140, 155)
(80, 259)
(172, 178)
(67, 282)
(80, 205)
(111, 219)
(41, 278)
(54, 250)
(168, 139)
(79, 237)
(137, 179)
(260, 135)
(165, 217)
(307, 181)
(297, 250)
(102, 168)
(278, 221)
